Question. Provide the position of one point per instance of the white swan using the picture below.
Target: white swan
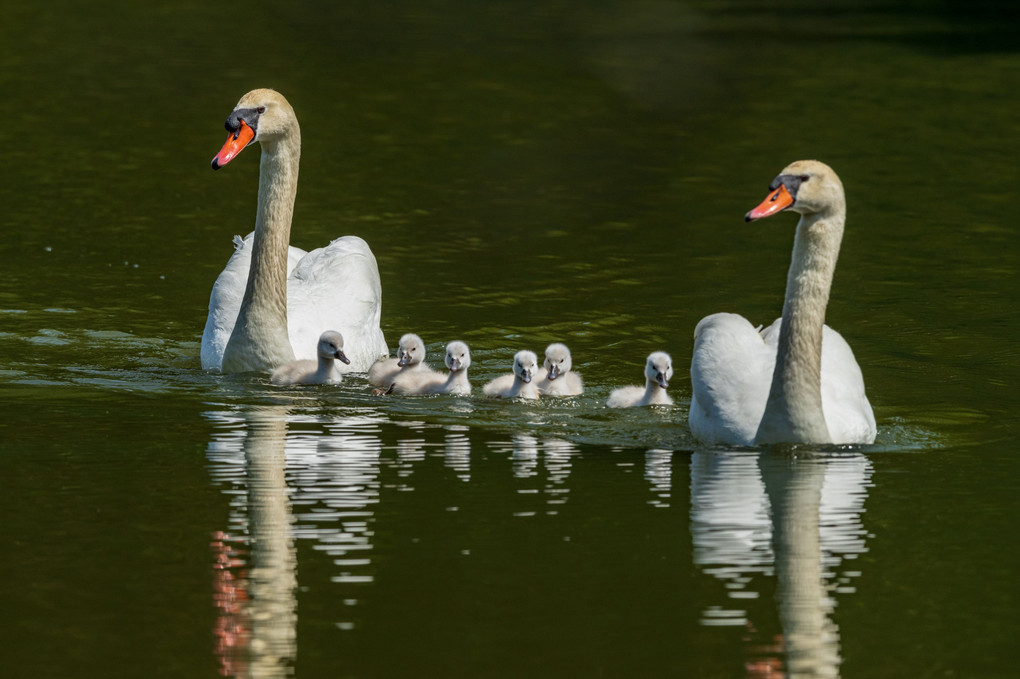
(555, 378)
(272, 301)
(410, 358)
(658, 373)
(458, 360)
(795, 381)
(323, 371)
(521, 383)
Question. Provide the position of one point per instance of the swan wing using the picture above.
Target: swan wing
(419, 382)
(382, 372)
(500, 386)
(625, 397)
(731, 371)
(337, 288)
(848, 414)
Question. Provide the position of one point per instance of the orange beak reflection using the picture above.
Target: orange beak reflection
(235, 144)
(778, 200)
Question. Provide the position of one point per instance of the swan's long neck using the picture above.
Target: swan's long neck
(793, 413)
(260, 340)
(458, 379)
(525, 389)
(324, 371)
(653, 391)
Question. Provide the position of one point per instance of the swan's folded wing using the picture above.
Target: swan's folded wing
(419, 382)
(625, 397)
(337, 288)
(225, 302)
(499, 386)
(382, 372)
(731, 370)
(848, 414)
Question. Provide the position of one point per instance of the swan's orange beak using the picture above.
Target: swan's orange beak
(234, 145)
(780, 199)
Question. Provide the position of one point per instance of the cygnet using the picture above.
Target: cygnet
(658, 372)
(555, 378)
(330, 349)
(458, 360)
(410, 358)
(519, 385)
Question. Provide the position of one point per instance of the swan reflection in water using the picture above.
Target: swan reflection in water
(256, 628)
(794, 516)
(285, 485)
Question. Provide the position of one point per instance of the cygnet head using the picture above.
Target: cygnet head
(458, 356)
(557, 360)
(659, 368)
(410, 350)
(331, 345)
(807, 187)
(525, 365)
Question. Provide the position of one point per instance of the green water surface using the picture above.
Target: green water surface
(525, 172)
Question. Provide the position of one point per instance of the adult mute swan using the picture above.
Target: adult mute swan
(796, 381)
(658, 373)
(330, 350)
(272, 301)
(556, 378)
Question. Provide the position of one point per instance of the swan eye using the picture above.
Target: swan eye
(261, 109)
(804, 177)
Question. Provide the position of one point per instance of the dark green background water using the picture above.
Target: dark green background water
(526, 172)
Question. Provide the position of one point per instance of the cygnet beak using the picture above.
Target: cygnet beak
(554, 371)
(661, 379)
(339, 355)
